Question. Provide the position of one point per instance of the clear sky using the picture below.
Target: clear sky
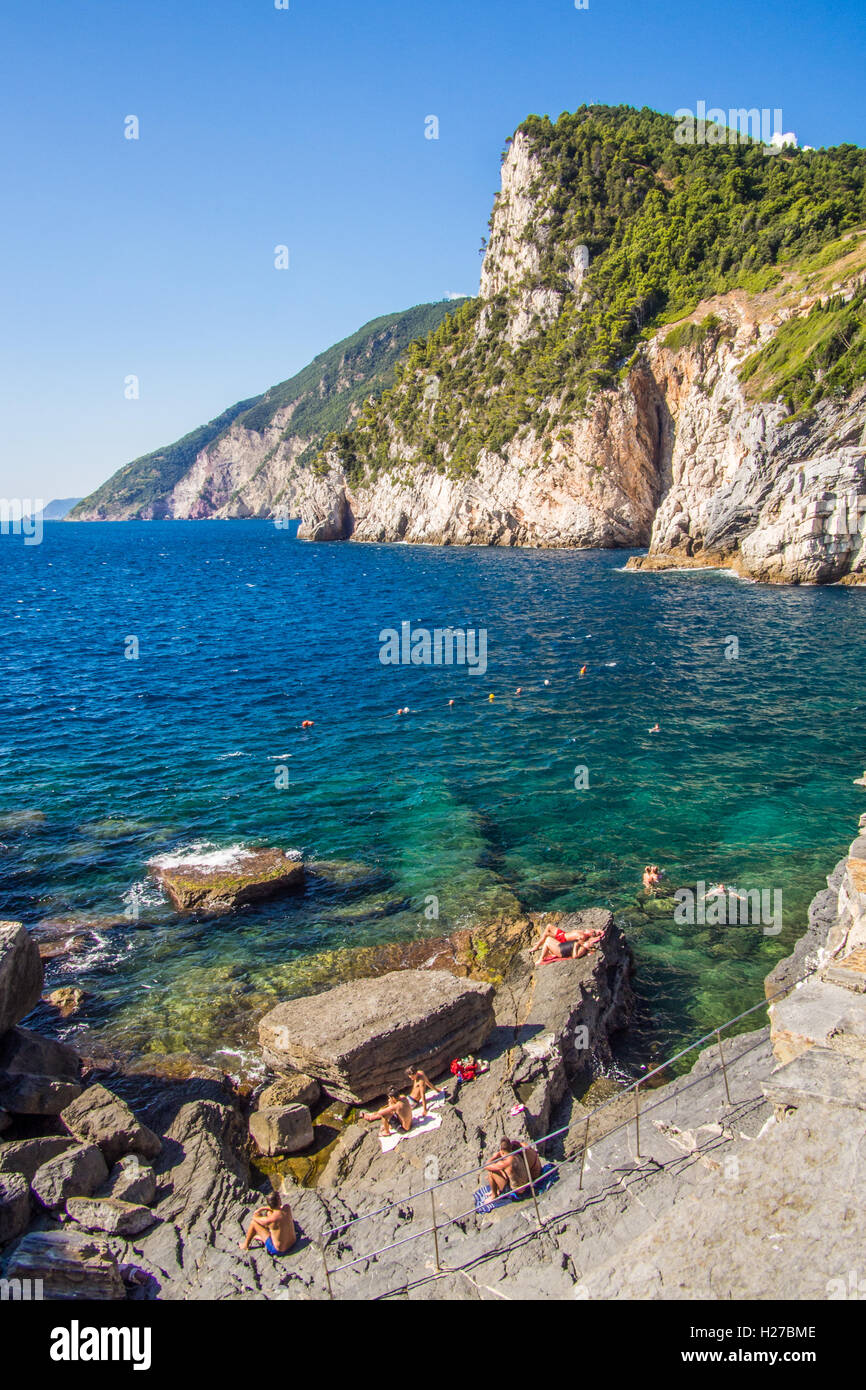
(304, 127)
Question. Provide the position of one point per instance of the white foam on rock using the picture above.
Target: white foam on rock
(202, 856)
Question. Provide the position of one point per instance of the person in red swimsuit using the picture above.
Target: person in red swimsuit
(556, 944)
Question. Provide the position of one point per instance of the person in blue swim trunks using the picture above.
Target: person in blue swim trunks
(273, 1226)
(513, 1166)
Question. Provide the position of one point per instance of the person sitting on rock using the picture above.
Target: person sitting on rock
(421, 1084)
(273, 1225)
(556, 944)
(397, 1112)
(513, 1167)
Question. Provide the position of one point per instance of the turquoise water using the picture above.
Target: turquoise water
(244, 632)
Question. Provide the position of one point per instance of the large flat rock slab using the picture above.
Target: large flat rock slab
(359, 1038)
(227, 879)
(69, 1264)
(20, 974)
(820, 1075)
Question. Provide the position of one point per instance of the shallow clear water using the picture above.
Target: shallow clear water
(244, 632)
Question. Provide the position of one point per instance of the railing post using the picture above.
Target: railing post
(327, 1271)
(532, 1187)
(583, 1155)
(437, 1265)
(637, 1119)
(724, 1068)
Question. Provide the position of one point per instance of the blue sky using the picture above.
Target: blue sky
(303, 127)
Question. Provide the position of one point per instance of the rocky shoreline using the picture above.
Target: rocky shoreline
(99, 1202)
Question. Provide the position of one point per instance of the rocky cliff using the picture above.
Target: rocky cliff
(668, 350)
(723, 439)
(255, 458)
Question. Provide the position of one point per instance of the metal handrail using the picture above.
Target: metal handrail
(584, 1120)
(557, 1133)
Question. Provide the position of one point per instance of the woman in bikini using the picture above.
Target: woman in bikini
(556, 944)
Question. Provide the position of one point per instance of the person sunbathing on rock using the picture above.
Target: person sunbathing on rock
(513, 1167)
(421, 1084)
(272, 1225)
(556, 944)
(397, 1112)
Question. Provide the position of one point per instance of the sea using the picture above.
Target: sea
(188, 688)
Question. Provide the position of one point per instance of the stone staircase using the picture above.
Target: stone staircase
(819, 1030)
(722, 1200)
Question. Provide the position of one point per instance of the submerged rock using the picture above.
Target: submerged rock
(359, 1038)
(69, 1264)
(227, 879)
(100, 1117)
(67, 1000)
(20, 820)
(20, 974)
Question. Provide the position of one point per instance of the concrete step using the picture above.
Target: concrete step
(849, 971)
(820, 1075)
(819, 1013)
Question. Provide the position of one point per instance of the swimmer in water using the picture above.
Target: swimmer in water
(656, 729)
(652, 877)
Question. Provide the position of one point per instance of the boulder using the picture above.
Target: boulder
(205, 1167)
(130, 1180)
(110, 1214)
(358, 1038)
(20, 974)
(14, 1206)
(227, 879)
(294, 1089)
(569, 1010)
(26, 1156)
(70, 1264)
(76, 1173)
(100, 1117)
(282, 1129)
(38, 1076)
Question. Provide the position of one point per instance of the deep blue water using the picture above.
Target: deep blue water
(244, 632)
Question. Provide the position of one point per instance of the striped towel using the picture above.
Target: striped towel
(484, 1200)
